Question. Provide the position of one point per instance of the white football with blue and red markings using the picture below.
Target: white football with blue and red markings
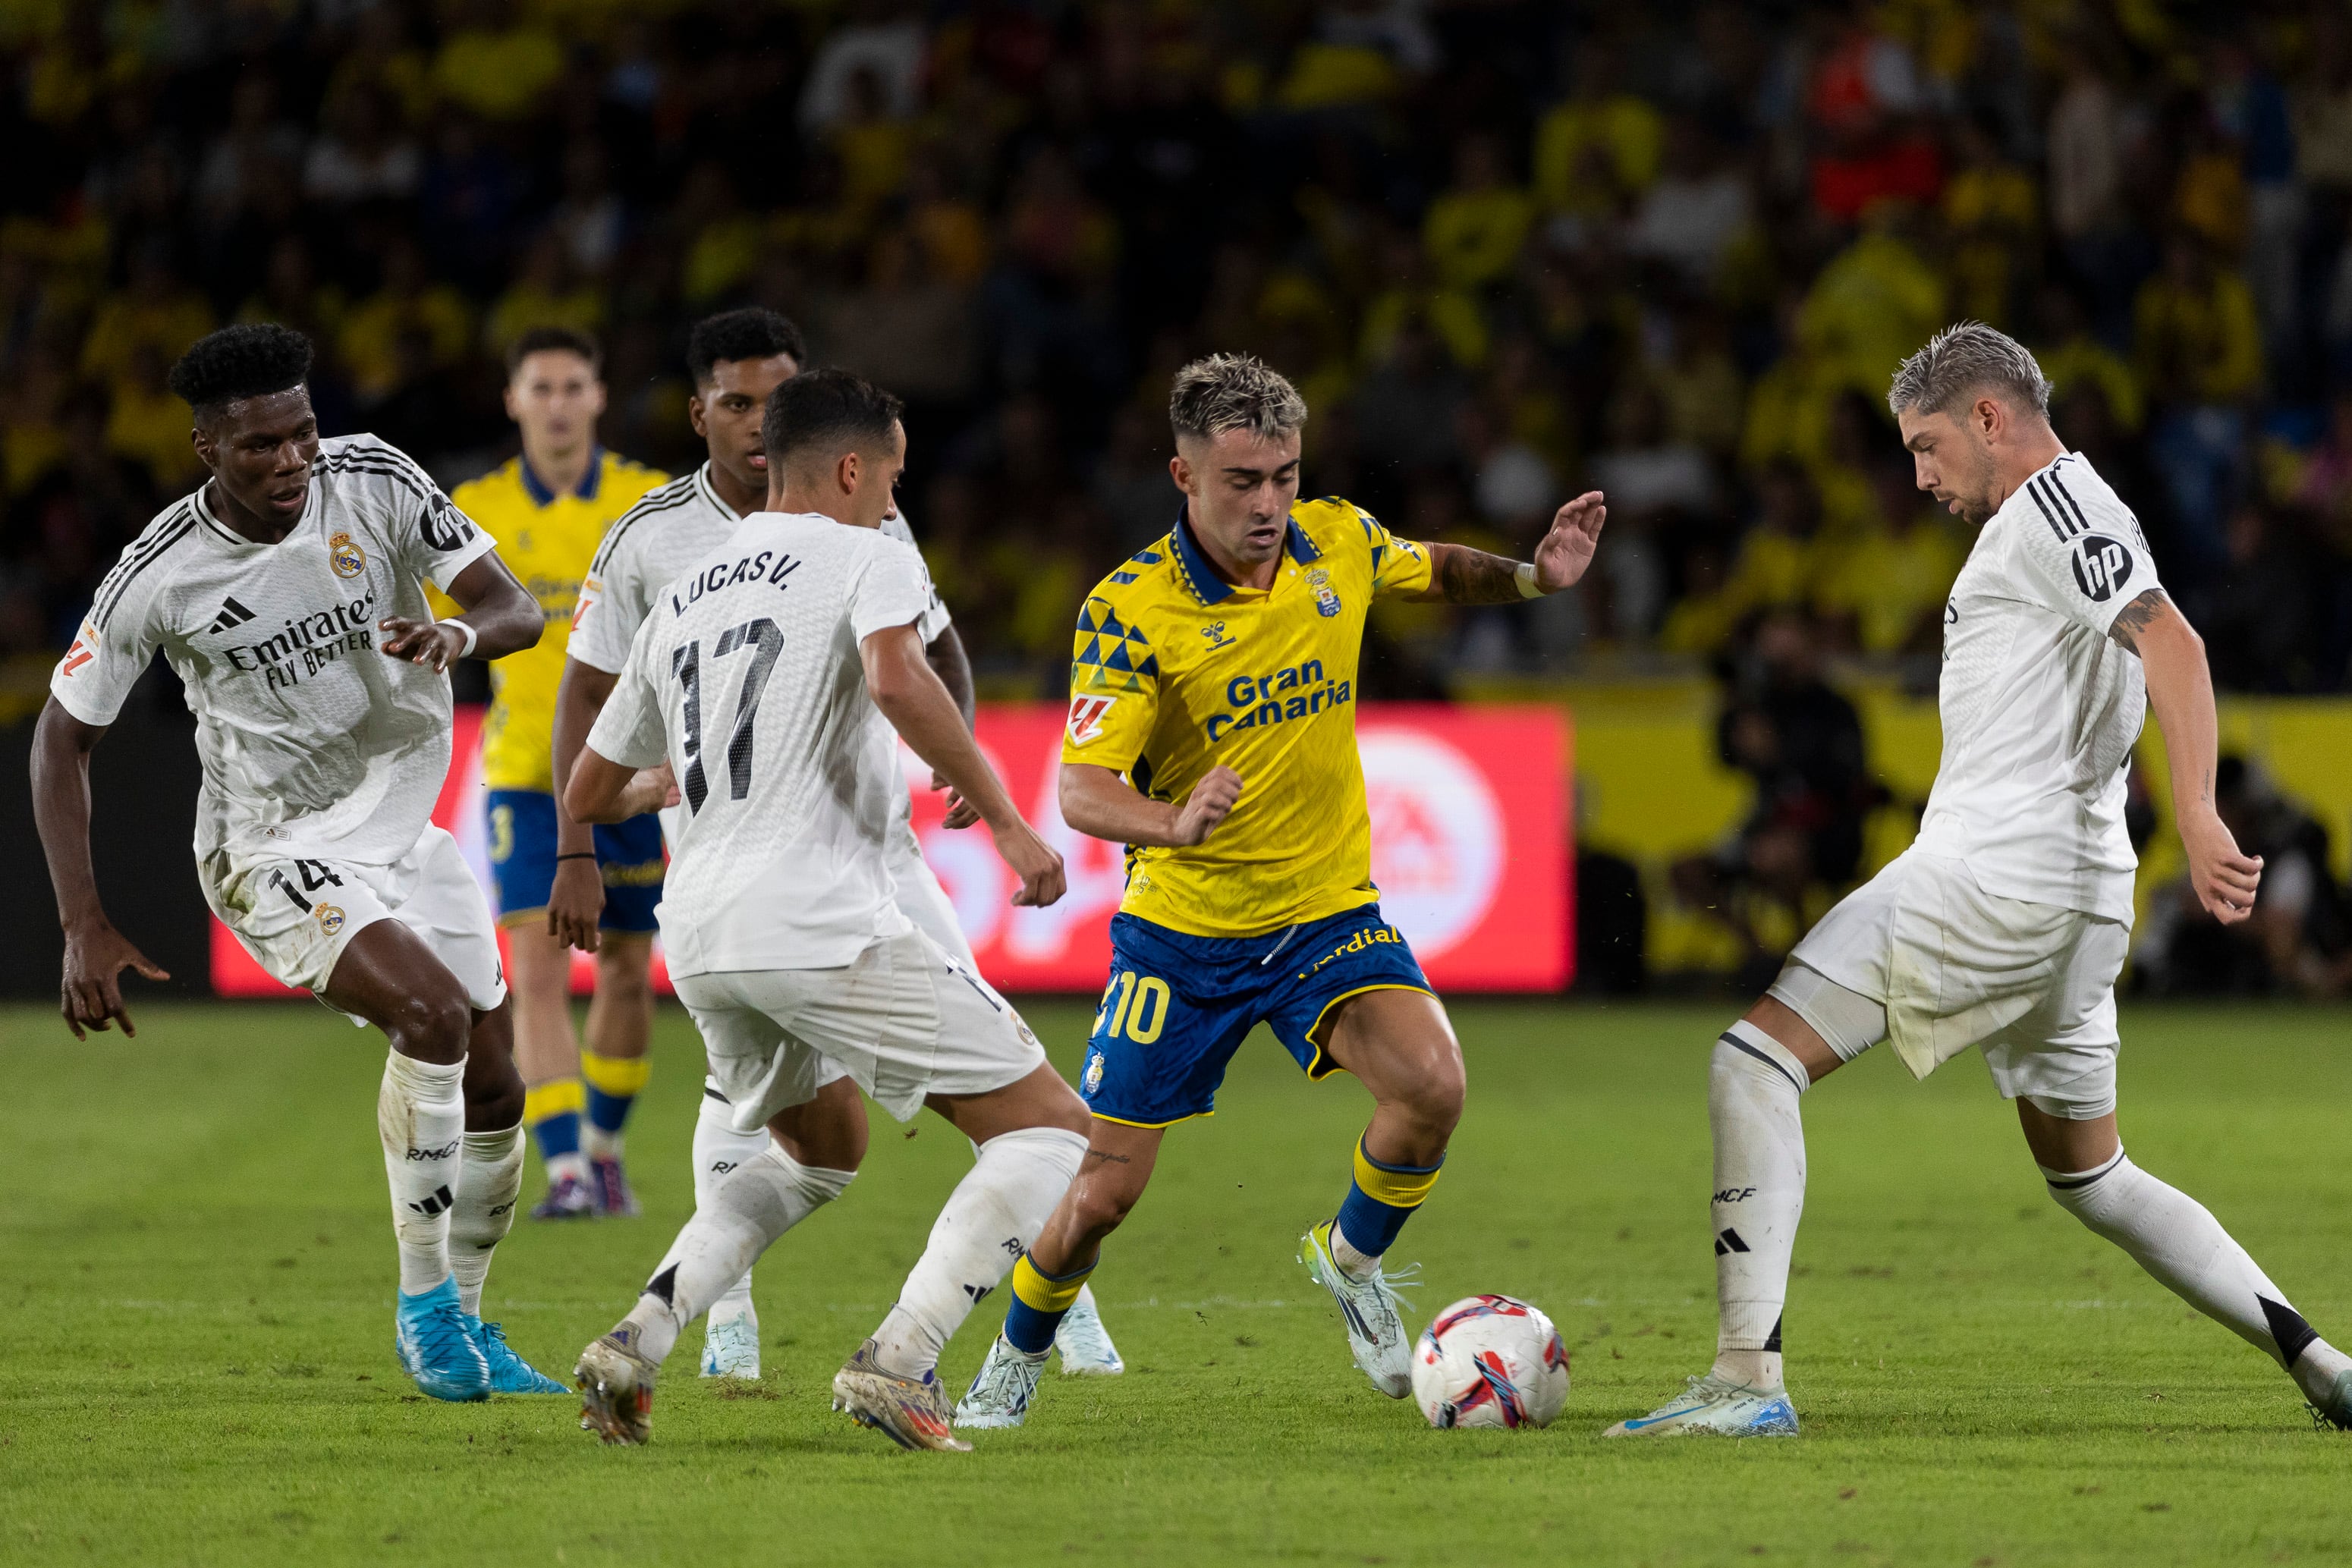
(1490, 1360)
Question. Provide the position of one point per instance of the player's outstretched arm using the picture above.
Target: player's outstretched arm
(500, 612)
(95, 953)
(2180, 690)
(904, 686)
(1101, 804)
(575, 903)
(603, 790)
(1460, 575)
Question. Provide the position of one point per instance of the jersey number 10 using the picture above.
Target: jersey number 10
(1142, 1008)
(686, 664)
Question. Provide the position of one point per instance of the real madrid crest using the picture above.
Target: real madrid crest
(1326, 602)
(349, 560)
(331, 919)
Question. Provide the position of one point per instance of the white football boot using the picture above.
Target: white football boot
(1084, 1344)
(730, 1345)
(1719, 1405)
(1377, 1337)
(1007, 1380)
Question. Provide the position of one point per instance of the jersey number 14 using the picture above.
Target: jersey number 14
(686, 664)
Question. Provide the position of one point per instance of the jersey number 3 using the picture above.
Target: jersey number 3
(686, 664)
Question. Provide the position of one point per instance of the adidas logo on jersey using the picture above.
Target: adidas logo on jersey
(232, 615)
(438, 1203)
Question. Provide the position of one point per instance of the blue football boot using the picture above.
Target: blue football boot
(510, 1372)
(437, 1346)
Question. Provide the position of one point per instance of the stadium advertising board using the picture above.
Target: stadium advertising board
(1470, 848)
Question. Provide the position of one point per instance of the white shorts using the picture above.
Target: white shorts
(295, 916)
(1953, 965)
(903, 1019)
(922, 900)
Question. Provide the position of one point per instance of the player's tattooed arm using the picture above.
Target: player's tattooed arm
(2136, 617)
(1459, 575)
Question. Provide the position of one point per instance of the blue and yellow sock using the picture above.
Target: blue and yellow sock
(1379, 1202)
(1040, 1302)
(613, 1085)
(551, 1110)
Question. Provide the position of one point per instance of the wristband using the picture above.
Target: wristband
(578, 855)
(1525, 578)
(473, 637)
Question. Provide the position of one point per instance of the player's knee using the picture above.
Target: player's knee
(431, 1026)
(1099, 1204)
(621, 972)
(1434, 1100)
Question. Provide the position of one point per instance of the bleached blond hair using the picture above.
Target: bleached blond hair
(1964, 357)
(1234, 391)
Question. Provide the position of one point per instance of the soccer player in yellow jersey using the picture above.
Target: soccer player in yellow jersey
(1212, 730)
(548, 510)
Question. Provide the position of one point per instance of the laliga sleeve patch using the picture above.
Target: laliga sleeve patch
(1087, 716)
(592, 589)
(84, 650)
(2101, 567)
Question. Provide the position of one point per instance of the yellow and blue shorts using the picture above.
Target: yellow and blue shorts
(522, 861)
(1179, 1007)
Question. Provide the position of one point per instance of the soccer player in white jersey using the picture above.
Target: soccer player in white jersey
(737, 359)
(763, 689)
(288, 594)
(2004, 926)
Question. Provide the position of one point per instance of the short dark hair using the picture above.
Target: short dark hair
(252, 359)
(750, 333)
(554, 341)
(825, 409)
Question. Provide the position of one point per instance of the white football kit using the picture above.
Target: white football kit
(2005, 925)
(322, 758)
(654, 541)
(780, 913)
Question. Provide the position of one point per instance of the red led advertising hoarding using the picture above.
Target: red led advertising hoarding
(1470, 849)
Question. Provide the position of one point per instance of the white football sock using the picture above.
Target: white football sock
(595, 1143)
(2176, 1239)
(991, 1219)
(758, 1201)
(1753, 1085)
(718, 1148)
(489, 1181)
(420, 1117)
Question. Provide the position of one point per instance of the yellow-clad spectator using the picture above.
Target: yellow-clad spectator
(1408, 293)
(1780, 558)
(496, 65)
(1990, 208)
(873, 147)
(2195, 330)
(723, 243)
(1600, 128)
(32, 436)
(156, 311)
(951, 231)
(409, 300)
(546, 293)
(2071, 357)
(1874, 303)
(1473, 230)
(148, 425)
(1888, 582)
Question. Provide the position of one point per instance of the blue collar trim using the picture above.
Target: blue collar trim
(541, 496)
(1203, 579)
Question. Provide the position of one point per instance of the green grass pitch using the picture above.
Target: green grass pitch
(197, 1363)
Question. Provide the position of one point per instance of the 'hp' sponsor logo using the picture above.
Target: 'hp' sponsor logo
(2101, 567)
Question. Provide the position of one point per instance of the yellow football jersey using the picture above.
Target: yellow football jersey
(1176, 671)
(547, 540)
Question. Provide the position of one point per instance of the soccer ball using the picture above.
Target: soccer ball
(1490, 1360)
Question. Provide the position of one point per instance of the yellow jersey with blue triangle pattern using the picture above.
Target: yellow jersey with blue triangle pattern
(1176, 671)
(547, 539)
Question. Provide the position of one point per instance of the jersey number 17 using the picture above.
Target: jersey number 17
(686, 664)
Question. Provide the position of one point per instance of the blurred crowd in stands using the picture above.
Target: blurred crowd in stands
(1508, 248)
